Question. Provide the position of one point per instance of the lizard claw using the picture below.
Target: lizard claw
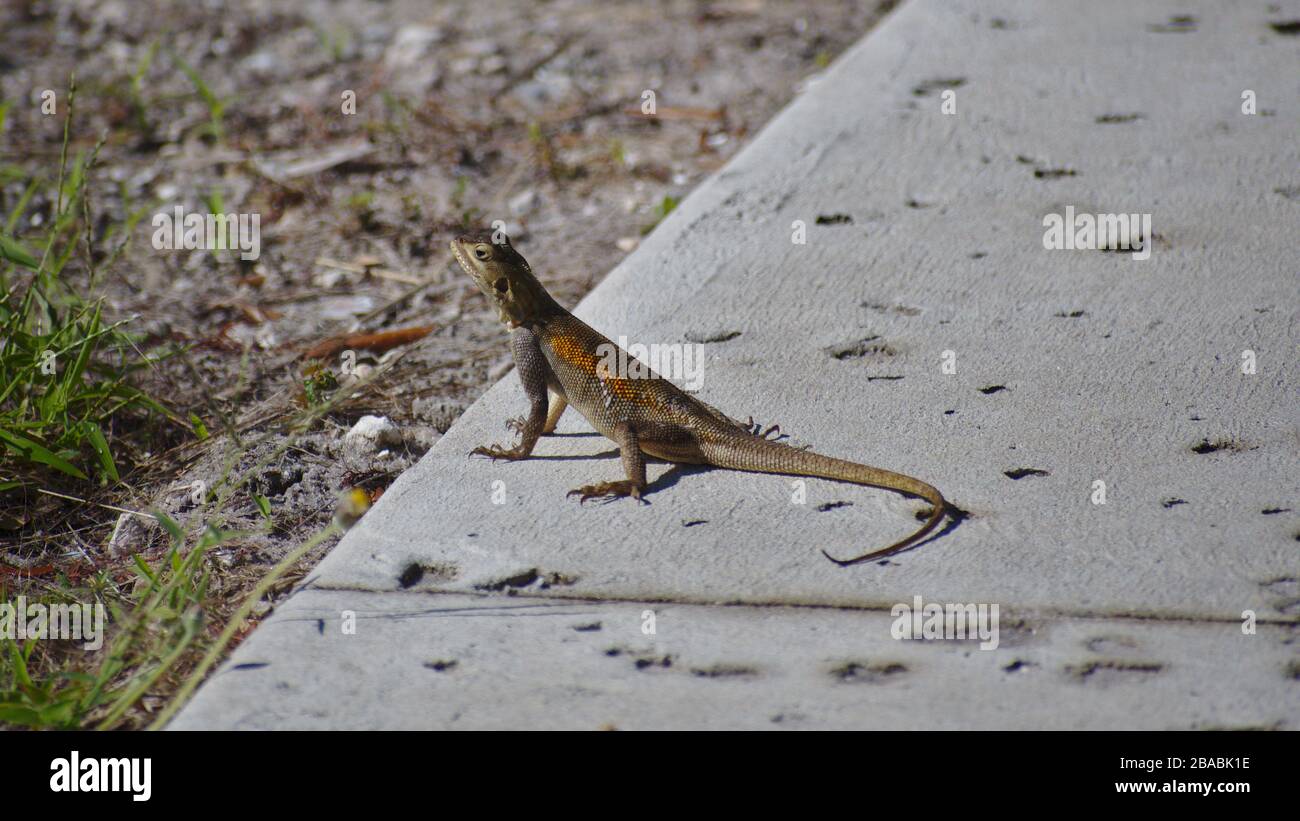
(516, 424)
(607, 491)
(497, 452)
(757, 429)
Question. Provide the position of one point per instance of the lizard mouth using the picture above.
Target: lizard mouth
(462, 259)
(460, 256)
(475, 274)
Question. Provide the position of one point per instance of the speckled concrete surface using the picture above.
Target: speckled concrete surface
(925, 245)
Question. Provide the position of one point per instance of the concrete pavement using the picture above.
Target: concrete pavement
(1122, 431)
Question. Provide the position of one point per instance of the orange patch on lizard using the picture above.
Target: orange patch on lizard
(620, 388)
(574, 353)
(578, 355)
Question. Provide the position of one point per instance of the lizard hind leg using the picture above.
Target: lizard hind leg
(633, 466)
(772, 432)
(607, 491)
(554, 412)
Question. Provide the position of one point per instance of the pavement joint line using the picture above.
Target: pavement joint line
(1004, 611)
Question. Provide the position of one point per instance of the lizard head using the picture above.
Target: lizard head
(504, 276)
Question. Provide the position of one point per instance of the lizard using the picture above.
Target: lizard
(563, 362)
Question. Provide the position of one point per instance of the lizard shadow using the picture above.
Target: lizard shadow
(573, 457)
(954, 516)
(677, 471)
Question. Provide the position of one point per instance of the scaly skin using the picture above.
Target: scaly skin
(558, 354)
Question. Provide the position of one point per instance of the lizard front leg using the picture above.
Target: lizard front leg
(633, 465)
(556, 410)
(534, 373)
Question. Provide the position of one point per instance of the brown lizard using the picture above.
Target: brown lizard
(646, 415)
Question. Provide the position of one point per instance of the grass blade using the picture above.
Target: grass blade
(39, 454)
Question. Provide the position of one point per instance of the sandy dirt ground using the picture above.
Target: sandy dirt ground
(364, 135)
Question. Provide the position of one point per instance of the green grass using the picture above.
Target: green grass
(64, 371)
(662, 210)
(335, 40)
(64, 383)
(68, 403)
(215, 128)
(139, 108)
(160, 617)
(158, 622)
(362, 205)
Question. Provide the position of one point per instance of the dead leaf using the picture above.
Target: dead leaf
(374, 342)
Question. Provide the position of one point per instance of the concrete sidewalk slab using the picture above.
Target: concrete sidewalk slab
(1123, 393)
(1072, 368)
(473, 662)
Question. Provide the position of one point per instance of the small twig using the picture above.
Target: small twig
(97, 504)
(532, 68)
(678, 113)
(393, 303)
(372, 270)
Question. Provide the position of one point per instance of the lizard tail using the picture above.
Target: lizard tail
(750, 453)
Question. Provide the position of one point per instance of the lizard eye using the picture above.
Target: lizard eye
(481, 251)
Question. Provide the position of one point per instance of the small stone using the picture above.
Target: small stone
(411, 68)
(130, 534)
(464, 65)
(327, 278)
(482, 47)
(362, 370)
(374, 433)
(410, 46)
(525, 202)
(265, 63)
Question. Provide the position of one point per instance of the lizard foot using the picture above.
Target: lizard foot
(607, 491)
(516, 424)
(772, 432)
(520, 422)
(498, 452)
